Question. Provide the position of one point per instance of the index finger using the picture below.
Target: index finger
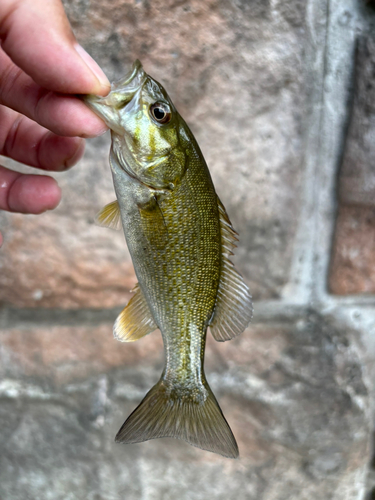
(37, 36)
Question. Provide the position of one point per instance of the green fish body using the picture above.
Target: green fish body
(180, 238)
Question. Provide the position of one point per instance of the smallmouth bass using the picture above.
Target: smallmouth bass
(180, 239)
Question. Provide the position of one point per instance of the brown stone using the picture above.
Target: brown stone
(353, 258)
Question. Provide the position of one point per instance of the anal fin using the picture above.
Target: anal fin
(135, 321)
(233, 309)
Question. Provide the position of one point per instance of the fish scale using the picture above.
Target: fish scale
(180, 238)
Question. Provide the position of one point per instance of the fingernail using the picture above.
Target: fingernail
(98, 72)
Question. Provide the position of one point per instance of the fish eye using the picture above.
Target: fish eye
(160, 112)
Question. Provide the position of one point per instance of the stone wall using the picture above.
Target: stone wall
(280, 97)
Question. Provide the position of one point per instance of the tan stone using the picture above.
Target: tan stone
(236, 74)
(80, 267)
(65, 354)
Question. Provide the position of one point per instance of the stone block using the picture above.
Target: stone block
(353, 258)
(62, 354)
(293, 392)
(357, 174)
(353, 255)
(236, 72)
(61, 259)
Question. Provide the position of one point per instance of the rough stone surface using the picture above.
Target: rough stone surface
(353, 257)
(61, 258)
(353, 260)
(61, 354)
(357, 174)
(294, 394)
(240, 83)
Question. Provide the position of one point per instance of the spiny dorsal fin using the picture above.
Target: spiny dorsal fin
(233, 309)
(135, 321)
(109, 216)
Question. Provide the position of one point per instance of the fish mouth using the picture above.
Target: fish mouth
(122, 92)
(132, 80)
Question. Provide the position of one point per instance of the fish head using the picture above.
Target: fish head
(145, 129)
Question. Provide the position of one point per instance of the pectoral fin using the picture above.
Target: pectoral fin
(109, 216)
(233, 309)
(135, 321)
(153, 224)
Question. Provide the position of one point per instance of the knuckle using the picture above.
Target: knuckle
(9, 78)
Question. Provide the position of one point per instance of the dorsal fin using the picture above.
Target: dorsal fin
(233, 309)
(229, 236)
(135, 320)
(109, 216)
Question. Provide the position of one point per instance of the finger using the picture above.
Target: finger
(37, 36)
(62, 114)
(1, 240)
(27, 142)
(27, 194)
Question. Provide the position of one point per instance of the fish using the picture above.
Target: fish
(180, 239)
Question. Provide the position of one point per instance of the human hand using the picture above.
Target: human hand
(42, 124)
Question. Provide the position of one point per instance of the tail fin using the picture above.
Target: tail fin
(197, 420)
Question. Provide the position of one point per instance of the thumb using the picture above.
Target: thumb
(37, 36)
